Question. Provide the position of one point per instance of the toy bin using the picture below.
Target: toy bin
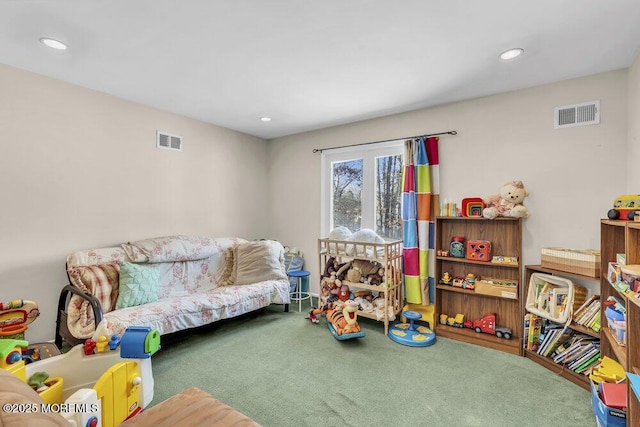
(605, 415)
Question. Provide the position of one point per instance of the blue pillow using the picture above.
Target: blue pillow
(138, 285)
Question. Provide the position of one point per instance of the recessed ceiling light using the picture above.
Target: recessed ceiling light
(53, 43)
(511, 53)
(265, 119)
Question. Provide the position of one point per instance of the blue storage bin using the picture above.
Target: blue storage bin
(605, 415)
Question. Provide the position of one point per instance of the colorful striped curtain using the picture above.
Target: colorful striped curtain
(420, 192)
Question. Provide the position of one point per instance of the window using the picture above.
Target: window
(361, 188)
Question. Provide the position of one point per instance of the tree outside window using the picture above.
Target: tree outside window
(363, 188)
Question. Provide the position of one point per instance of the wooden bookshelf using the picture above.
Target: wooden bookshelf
(622, 237)
(505, 235)
(633, 358)
(579, 379)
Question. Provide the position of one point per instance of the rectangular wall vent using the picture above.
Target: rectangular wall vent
(586, 113)
(168, 141)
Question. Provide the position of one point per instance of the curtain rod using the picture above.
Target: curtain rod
(451, 132)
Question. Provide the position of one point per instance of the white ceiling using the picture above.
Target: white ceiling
(314, 64)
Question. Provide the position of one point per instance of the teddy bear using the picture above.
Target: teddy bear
(508, 203)
(358, 269)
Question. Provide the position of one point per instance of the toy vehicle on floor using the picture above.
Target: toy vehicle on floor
(625, 207)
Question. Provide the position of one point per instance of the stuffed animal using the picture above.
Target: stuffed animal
(342, 316)
(329, 267)
(508, 203)
(357, 269)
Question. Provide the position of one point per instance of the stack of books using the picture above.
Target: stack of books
(588, 314)
(579, 353)
(576, 351)
(553, 336)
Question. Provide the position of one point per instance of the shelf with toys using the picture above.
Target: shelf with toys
(479, 272)
(620, 288)
(369, 273)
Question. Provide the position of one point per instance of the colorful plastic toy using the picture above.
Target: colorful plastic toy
(410, 334)
(478, 250)
(109, 387)
(487, 324)
(472, 207)
(15, 316)
(625, 207)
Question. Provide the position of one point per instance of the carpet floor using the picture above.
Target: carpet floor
(281, 370)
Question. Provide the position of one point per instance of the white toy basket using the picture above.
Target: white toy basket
(553, 297)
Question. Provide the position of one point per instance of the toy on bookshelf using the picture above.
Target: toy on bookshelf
(456, 247)
(478, 250)
(446, 278)
(456, 322)
(487, 324)
(472, 207)
(625, 207)
(508, 260)
(469, 281)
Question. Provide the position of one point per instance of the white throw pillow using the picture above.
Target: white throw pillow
(257, 262)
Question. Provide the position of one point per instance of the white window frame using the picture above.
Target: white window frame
(368, 154)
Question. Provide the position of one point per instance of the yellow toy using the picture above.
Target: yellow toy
(101, 389)
(608, 371)
(11, 357)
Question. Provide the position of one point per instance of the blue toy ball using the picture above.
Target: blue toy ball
(409, 334)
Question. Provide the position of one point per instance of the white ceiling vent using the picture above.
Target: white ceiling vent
(586, 113)
(168, 142)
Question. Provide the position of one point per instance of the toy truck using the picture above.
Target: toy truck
(487, 324)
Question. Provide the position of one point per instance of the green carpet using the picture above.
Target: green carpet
(281, 370)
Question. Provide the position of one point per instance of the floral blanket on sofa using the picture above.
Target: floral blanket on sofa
(200, 280)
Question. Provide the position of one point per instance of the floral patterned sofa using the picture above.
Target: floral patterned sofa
(169, 283)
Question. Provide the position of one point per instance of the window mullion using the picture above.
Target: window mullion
(368, 192)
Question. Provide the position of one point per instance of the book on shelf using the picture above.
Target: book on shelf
(575, 348)
(589, 303)
(588, 314)
(585, 349)
(592, 350)
(558, 301)
(548, 336)
(535, 327)
(587, 363)
(577, 313)
(544, 299)
(525, 330)
(560, 337)
(595, 323)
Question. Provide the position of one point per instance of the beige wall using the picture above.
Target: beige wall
(79, 169)
(573, 174)
(633, 155)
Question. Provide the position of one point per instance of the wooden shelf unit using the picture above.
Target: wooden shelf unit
(388, 254)
(505, 235)
(579, 379)
(622, 237)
